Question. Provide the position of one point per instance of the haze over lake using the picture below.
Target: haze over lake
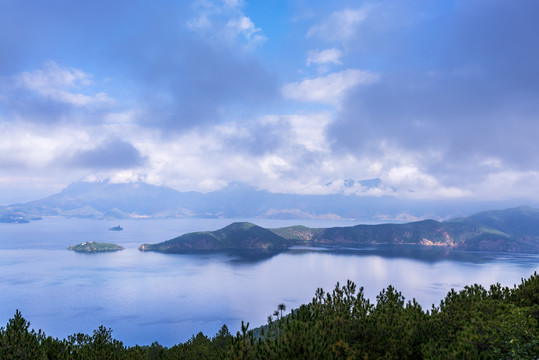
(147, 297)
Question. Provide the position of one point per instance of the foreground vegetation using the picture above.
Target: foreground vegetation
(475, 323)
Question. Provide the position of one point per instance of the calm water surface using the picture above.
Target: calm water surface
(147, 297)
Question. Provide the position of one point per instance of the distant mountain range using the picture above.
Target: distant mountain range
(510, 230)
(106, 200)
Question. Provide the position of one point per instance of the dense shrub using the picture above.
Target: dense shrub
(475, 323)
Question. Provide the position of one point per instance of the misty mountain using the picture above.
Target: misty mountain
(520, 221)
(106, 200)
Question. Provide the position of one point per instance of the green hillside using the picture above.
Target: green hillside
(426, 232)
(511, 230)
(236, 236)
(520, 221)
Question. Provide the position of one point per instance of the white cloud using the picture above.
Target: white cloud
(301, 161)
(126, 117)
(245, 27)
(340, 25)
(409, 176)
(504, 183)
(307, 131)
(205, 160)
(52, 75)
(233, 3)
(310, 130)
(329, 89)
(126, 176)
(272, 165)
(58, 84)
(224, 20)
(37, 147)
(199, 23)
(327, 56)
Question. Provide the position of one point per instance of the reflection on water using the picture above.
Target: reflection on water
(429, 254)
(146, 297)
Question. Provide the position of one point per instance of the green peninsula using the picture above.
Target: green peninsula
(510, 230)
(93, 247)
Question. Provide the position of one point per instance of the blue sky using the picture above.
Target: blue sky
(437, 99)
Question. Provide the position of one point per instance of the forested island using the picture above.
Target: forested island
(240, 236)
(474, 323)
(511, 230)
(16, 218)
(92, 247)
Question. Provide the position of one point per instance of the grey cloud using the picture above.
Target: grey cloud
(34, 32)
(262, 138)
(183, 78)
(12, 162)
(193, 83)
(178, 78)
(20, 103)
(113, 154)
(471, 94)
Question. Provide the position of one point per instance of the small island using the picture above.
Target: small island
(93, 247)
(14, 218)
(116, 228)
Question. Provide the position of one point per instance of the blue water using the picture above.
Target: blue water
(147, 297)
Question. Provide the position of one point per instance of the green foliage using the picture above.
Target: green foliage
(92, 247)
(236, 236)
(510, 230)
(18, 342)
(474, 323)
(526, 295)
(516, 336)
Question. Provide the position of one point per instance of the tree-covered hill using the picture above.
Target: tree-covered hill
(457, 235)
(237, 236)
(511, 230)
(520, 221)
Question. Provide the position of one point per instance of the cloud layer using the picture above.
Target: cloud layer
(436, 100)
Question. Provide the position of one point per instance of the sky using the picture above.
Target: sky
(437, 99)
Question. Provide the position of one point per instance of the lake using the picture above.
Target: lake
(147, 297)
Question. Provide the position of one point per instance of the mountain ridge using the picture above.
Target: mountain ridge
(479, 232)
(107, 200)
